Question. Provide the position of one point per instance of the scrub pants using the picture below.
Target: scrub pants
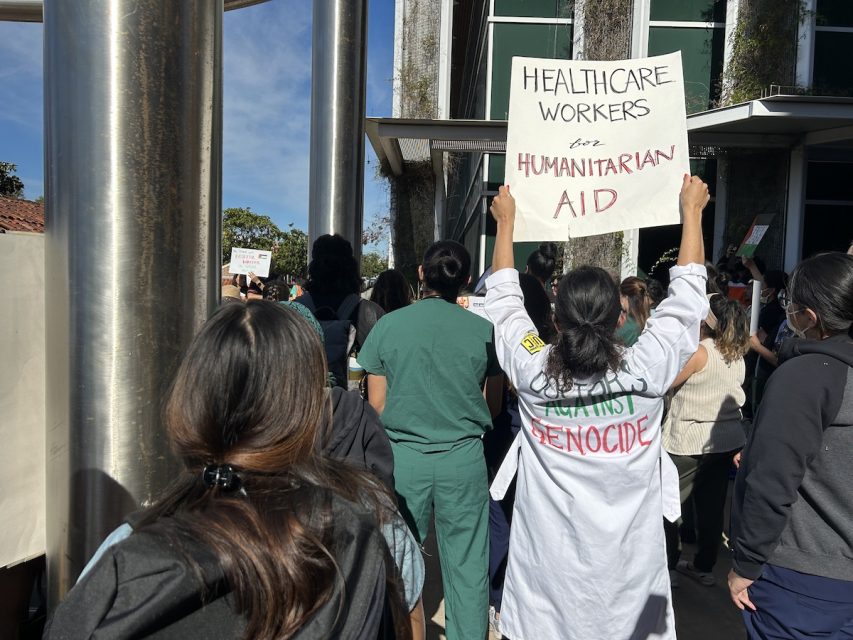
(454, 484)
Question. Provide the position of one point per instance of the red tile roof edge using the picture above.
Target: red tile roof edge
(17, 214)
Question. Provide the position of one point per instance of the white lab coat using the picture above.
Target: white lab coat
(587, 557)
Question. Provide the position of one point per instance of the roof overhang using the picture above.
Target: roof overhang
(776, 121)
(773, 122)
(397, 141)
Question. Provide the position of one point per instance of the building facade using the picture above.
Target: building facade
(768, 86)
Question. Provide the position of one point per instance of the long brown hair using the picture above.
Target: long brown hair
(639, 300)
(250, 393)
(731, 333)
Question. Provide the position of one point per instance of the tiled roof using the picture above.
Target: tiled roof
(21, 215)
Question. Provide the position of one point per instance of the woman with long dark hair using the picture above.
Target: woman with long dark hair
(391, 291)
(587, 554)
(704, 429)
(792, 510)
(260, 536)
(428, 365)
(332, 293)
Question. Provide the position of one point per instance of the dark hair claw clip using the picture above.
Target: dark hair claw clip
(222, 476)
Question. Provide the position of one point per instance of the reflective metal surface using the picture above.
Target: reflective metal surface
(31, 10)
(339, 54)
(133, 179)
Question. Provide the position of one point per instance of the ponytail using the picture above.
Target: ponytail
(587, 309)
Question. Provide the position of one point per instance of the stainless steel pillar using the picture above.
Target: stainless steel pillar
(133, 110)
(31, 10)
(339, 76)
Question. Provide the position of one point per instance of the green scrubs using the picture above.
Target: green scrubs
(435, 357)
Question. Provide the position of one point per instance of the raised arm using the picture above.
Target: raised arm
(503, 211)
(694, 197)
(696, 363)
(671, 336)
(754, 271)
(516, 337)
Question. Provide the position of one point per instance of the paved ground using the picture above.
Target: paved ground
(701, 613)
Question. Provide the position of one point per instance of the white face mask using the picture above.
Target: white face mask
(797, 332)
(789, 316)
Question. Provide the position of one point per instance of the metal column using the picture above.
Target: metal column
(339, 57)
(133, 111)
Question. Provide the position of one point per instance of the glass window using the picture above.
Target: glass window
(530, 40)
(655, 241)
(497, 167)
(833, 74)
(534, 8)
(689, 10)
(827, 227)
(520, 251)
(829, 181)
(701, 59)
(834, 13)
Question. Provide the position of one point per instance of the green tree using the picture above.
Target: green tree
(10, 184)
(372, 264)
(242, 227)
(292, 254)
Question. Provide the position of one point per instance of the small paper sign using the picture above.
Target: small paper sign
(755, 235)
(245, 261)
(595, 147)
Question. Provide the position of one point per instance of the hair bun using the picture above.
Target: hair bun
(449, 266)
(446, 267)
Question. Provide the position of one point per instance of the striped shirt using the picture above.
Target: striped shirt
(704, 416)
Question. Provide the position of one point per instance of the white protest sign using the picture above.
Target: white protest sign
(595, 147)
(250, 261)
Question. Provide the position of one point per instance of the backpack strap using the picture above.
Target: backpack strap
(348, 306)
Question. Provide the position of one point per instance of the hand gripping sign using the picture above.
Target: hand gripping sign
(595, 147)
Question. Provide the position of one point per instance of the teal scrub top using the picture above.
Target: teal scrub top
(435, 356)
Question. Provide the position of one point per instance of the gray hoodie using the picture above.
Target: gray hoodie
(793, 498)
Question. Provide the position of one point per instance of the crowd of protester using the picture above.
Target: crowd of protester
(566, 442)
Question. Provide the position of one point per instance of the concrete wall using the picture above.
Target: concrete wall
(22, 397)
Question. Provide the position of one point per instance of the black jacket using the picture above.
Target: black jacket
(143, 587)
(358, 436)
(793, 498)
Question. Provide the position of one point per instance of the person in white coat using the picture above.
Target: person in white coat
(587, 555)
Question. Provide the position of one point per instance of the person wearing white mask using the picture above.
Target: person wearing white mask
(792, 508)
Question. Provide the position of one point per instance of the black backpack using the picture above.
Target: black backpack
(339, 333)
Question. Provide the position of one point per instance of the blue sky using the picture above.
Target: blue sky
(267, 106)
